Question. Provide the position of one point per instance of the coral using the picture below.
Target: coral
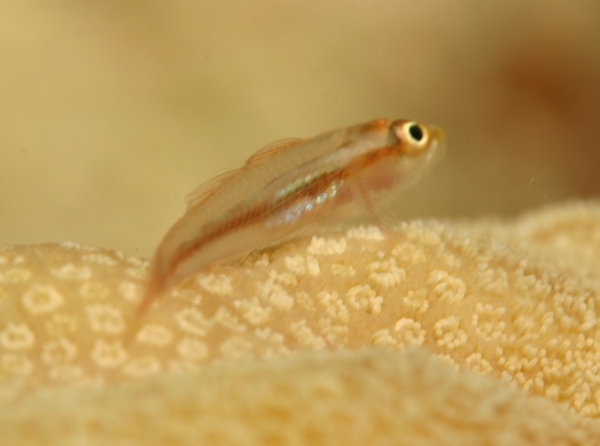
(480, 332)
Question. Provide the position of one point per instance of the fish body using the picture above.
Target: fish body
(291, 188)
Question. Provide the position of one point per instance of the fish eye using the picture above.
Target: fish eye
(414, 137)
(415, 131)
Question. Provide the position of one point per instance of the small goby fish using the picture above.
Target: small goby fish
(290, 188)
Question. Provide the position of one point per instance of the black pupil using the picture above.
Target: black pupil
(416, 132)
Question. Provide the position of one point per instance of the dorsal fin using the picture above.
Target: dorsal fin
(201, 193)
(272, 149)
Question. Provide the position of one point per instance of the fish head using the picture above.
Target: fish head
(419, 146)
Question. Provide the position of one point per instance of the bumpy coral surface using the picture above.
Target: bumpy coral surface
(502, 315)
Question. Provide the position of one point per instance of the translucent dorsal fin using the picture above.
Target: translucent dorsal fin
(208, 188)
(272, 149)
(201, 193)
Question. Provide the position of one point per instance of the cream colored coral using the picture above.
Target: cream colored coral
(375, 397)
(507, 300)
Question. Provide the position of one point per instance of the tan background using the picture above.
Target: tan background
(111, 111)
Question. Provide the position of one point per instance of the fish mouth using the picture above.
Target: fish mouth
(436, 150)
(438, 141)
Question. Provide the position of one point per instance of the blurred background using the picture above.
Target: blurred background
(111, 111)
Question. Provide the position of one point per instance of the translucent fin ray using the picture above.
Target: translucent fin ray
(203, 192)
(272, 149)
